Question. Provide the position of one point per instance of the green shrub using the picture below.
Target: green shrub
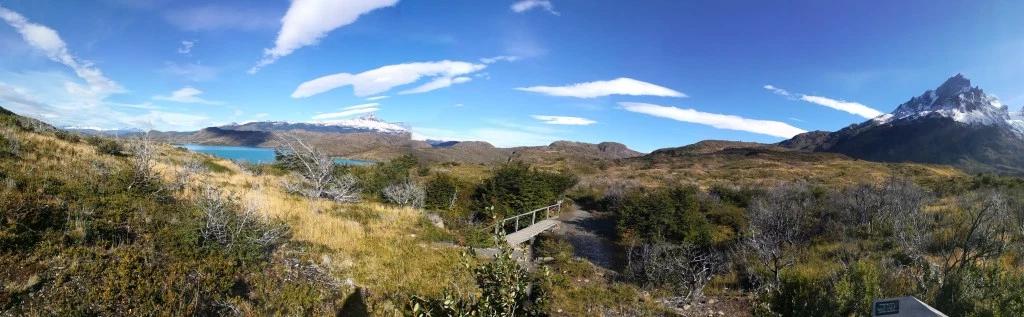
(105, 145)
(666, 214)
(442, 192)
(506, 290)
(814, 292)
(516, 188)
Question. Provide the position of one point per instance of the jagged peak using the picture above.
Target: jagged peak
(954, 86)
(955, 99)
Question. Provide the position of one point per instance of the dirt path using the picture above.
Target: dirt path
(590, 234)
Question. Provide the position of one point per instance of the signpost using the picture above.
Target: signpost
(903, 307)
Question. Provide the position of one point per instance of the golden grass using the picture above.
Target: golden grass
(374, 245)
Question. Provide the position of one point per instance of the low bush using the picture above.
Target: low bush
(666, 214)
(506, 290)
(515, 188)
(105, 145)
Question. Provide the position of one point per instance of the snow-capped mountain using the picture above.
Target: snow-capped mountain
(958, 100)
(956, 124)
(367, 123)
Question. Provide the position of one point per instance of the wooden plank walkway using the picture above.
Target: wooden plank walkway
(534, 224)
(528, 233)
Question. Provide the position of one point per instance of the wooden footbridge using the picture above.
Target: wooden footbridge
(525, 226)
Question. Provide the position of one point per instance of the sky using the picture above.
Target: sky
(649, 74)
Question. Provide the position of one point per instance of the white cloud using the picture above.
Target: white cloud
(58, 99)
(848, 106)
(499, 58)
(841, 105)
(777, 90)
(564, 120)
(375, 98)
(375, 81)
(442, 82)
(187, 95)
(220, 17)
(186, 47)
(497, 136)
(720, 121)
(349, 111)
(49, 42)
(619, 86)
(307, 21)
(527, 5)
(190, 71)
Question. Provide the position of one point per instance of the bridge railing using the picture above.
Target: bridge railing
(520, 220)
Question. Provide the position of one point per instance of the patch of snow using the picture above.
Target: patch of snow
(369, 123)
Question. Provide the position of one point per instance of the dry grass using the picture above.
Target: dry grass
(374, 245)
(763, 169)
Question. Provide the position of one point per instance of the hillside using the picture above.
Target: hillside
(372, 139)
(90, 226)
(710, 163)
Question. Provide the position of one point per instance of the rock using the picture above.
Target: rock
(436, 220)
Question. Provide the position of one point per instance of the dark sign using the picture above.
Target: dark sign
(889, 307)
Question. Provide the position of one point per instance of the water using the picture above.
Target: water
(253, 154)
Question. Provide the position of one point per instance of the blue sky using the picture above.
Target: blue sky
(649, 74)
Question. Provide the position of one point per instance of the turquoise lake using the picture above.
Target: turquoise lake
(253, 154)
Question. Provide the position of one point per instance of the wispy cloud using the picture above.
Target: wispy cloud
(222, 17)
(527, 5)
(62, 101)
(375, 81)
(187, 95)
(564, 120)
(186, 47)
(376, 98)
(848, 106)
(594, 89)
(497, 136)
(49, 42)
(442, 82)
(307, 21)
(191, 71)
(499, 58)
(720, 121)
(778, 91)
(349, 111)
(841, 105)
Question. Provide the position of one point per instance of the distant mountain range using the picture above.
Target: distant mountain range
(373, 139)
(954, 124)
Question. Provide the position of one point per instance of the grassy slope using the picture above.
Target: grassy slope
(369, 245)
(760, 166)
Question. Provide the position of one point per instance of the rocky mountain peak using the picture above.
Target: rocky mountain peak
(953, 86)
(955, 99)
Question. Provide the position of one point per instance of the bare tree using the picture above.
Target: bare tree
(9, 143)
(683, 268)
(861, 204)
(900, 205)
(984, 231)
(227, 224)
(316, 172)
(777, 222)
(406, 194)
(186, 172)
(142, 151)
